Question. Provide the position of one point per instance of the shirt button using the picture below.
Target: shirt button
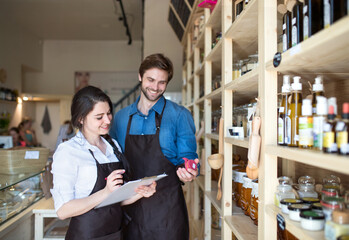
(142, 133)
(145, 117)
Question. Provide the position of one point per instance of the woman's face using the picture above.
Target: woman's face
(14, 135)
(97, 122)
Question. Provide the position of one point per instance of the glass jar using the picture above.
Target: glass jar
(331, 181)
(284, 190)
(338, 226)
(329, 204)
(329, 192)
(237, 70)
(236, 168)
(246, 194)
(252, 62)
(307, 187)
(312, 221)
(244, 66)
(239, 182)
(254, 202)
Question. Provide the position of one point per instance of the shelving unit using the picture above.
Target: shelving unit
(326, 53)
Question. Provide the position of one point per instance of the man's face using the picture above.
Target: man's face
(153, 83)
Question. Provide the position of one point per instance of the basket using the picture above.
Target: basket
(23, 160)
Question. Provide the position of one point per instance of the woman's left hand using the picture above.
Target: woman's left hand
(147, 191)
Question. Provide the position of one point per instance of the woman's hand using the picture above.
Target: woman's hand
(114, 180)
(147, 191)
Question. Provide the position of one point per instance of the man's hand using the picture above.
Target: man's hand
(187, 175)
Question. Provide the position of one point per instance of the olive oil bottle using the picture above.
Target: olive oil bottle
(342, 129)
(297, 23)
(333, 10)
(330, 143)
(294, 112)
(286, 31)
(312, 17)
(318, 90)
(283, 109)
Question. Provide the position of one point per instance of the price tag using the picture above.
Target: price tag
(277, 59)
(32, 155)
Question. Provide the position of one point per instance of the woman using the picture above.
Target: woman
(16, 138)
(27, 133)
(88, 167)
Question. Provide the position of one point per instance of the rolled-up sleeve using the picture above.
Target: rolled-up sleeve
(64, 170)
(186, 142)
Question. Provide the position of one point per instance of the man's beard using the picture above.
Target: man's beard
(144, 91)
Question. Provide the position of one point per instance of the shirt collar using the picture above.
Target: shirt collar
(80, 139)
(159, 105)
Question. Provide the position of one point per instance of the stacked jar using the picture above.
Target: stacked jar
(246, 194)
(238, 183)
(254, 202)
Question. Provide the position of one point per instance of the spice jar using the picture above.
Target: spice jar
(237, 70)
(284, 203)
(329, 204)
(331, 181)
(338, 226)
(329, 192)
(312, 221)
(252, 62)
(307, 187)
(239, 181)
(294, 211)
(254, 202)
(246, 194)
(310, 200)
(317, 207)
(284, 190)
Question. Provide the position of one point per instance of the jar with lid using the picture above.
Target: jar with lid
(236, 168)
(331, 181)
(338, 226)
(237, 70)
(295, 210)
(286, 202)
(254, 202)
(329, 204)
(244, 66)
(317, 207)
(307, 187)
(239, 182)
(284, 190)
(312, 221)
(246, 194)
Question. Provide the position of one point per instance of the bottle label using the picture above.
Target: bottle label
(284, 42)
(280, 131)
(294, 36)
(340, 126)
(318, 130)
(328, 139)
(281, 109)
(284, 26)
(306, 131)
(288, 130)
(342, 139)
(305, 27)
(305, 9)
(327, 15)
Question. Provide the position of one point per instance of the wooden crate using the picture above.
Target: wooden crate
(23, 160)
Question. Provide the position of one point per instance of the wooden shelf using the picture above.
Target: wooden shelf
(212, 195)
(322, 53)
(200, 70)
(216, 94)
(319, 159)
(240, 142)
(246, 84)
(200, 40)
(214, 20)
(200, 180)
(245, 39)
(295, 227)
(242, 226)
(200, 100)
(8, 102)
(212, 136)
(190, 105)
(215, 54)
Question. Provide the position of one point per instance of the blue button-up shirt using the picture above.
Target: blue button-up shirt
(177, 130)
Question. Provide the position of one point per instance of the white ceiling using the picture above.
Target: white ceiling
(74, 19)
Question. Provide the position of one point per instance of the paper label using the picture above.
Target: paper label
(327, 15)
(305, 28)
(32, 155)
(280, 131)
(294, 36)
(305, 131)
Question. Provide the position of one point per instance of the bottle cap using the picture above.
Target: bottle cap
(332, 102)
(286, 87)
(296, 85)
(345, 110)
(321, 105)
(307, 108)
(318, 85)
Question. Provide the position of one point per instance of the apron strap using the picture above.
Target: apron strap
(94, 156)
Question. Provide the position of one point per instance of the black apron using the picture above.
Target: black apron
(163, 215)
(102, 223)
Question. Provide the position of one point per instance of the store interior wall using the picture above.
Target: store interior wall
(47, 67)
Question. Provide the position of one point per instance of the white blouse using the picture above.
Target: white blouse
(74, 168)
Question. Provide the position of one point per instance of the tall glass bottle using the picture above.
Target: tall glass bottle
(283, 109)
(297, 23)
(295, 112)
(318, 90)
(330, 143)
(342, 129)
(286, 31)
(306, 125)
(319, 120)
(333, 10)
(312, 17)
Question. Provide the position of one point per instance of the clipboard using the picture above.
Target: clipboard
(127, 190)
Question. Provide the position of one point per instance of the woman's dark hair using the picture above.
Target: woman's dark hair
(83, 103)
(159, 61)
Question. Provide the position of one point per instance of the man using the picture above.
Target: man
(156, 134)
